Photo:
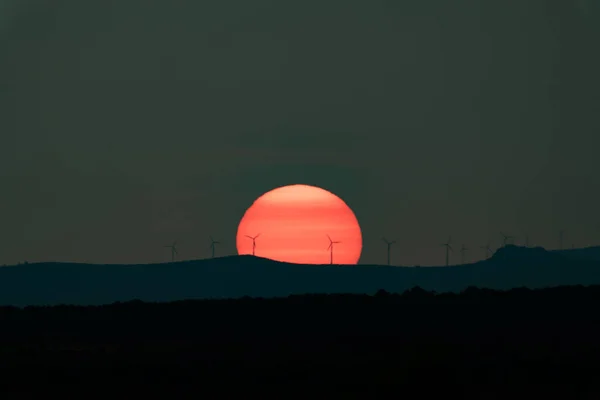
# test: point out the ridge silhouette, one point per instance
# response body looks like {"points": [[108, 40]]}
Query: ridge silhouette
{"points": [[238, 276]]}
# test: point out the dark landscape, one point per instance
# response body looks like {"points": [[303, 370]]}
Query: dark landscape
{"points": [[478, 343], [237, 276]]}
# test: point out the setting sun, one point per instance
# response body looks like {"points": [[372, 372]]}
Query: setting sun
{"points": [[294, 223]]}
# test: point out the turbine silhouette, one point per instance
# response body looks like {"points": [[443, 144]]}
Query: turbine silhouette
{"points": [[561, 236], [463, 251], [174, 252], [448, 250], [330, 248], [389, 245], [213, 242], [253, 242], [506, 238], [487, 251]]}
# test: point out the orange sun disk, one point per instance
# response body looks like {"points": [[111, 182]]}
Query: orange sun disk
{"points": [[294, 221]]}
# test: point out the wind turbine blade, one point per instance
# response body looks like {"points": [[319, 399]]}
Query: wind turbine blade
{"points": [[329, 238], [249, 237], [329, 246]]}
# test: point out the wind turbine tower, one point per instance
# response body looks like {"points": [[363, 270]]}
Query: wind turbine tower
{"points": [[253, 243], [330, 248], [561, 236], [463, 251], [174, 252], [389, 245], [506, 238], [213, 242], [448, 250]]}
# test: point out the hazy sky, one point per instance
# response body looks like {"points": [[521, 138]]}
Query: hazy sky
{"points": [[127, 124]]}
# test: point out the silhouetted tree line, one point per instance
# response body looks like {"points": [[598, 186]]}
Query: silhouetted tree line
{"points": [[477, 344]]}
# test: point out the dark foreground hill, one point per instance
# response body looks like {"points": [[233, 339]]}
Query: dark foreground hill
{"points": [[480, 344], [232, 277]]}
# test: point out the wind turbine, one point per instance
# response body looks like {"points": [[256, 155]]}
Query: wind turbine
{"points": [[253, 242], [330, 248], [463, 250], [448, 250], [561, 236], [506, 238], [174, 252], [487, 250], [213, 242], [389, 245]]}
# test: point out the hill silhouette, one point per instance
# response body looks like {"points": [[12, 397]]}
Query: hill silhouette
{"points": [[585, 253], [238, 276]]}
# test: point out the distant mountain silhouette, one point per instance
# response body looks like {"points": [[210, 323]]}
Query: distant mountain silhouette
{"points": [[238, 276], [586, 253]]}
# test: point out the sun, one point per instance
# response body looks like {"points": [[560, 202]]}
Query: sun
{"points": [[295, 223]]}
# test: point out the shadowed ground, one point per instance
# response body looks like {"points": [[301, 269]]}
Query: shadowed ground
{"points": [[477, 344]]}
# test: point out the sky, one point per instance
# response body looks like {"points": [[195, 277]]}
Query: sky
{"points": [[128, 124]]}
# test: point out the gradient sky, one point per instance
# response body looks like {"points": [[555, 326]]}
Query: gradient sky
{"points": [[127, 124]]}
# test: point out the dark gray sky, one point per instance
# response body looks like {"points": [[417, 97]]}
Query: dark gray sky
{"points": [[127, 124]]}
